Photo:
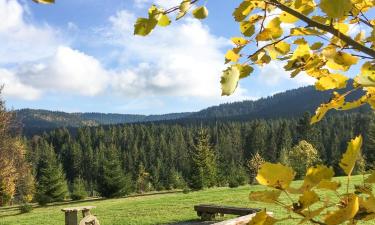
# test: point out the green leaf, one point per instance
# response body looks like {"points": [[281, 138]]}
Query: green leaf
{"points": [[229, 80], [200, 12]]}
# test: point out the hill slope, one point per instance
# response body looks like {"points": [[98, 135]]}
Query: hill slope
{"points": [[286, 104]]}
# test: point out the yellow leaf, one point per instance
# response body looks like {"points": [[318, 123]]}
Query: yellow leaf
{"points": [[345, 60], [44, 1], [336, 102], [229, 80], [310, 214], [315, 175], [184, 7], [332, 81], [164, 21], [366, 77], [368, 204], [371, 178], [144, 26], [200, 12], [307, 199], [303, 50], [355, 104], [329, 185], [239, 41], [272, 31], [336, 8], [282, 47], [245, 70], [262, 218], [301, 31], [265, 196], [247, 28], [351, 155], [316, 45], [287, 18], [275, 175], [232, 55], [243, 10], [345, 213]]}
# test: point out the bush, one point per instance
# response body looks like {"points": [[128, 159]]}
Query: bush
{"points": [[26, 208], [186, 190], [233, 182]]}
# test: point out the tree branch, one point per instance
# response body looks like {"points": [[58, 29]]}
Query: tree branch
{"points": [[326, 28], [177, 7]]}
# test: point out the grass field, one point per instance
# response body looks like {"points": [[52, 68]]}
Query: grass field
{"points": [[155, 209]]}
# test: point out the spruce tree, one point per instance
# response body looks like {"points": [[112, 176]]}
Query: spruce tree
{"points": [[78, 189], [51, 183], [204, 168], [112, 181]]}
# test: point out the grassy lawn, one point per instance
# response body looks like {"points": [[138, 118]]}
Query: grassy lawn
{"points": [[156, 209]]}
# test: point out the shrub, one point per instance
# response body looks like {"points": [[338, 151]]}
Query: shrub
{"points": [[25, 208]]}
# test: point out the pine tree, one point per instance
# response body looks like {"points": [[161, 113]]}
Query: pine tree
{"points": [[112, 181], [204, 168], [51, 183]]}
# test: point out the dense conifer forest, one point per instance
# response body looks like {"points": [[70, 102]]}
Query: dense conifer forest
{"points": [[157, 156]]}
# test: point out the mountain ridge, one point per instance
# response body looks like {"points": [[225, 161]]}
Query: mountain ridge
{"points": [[290, 103]]}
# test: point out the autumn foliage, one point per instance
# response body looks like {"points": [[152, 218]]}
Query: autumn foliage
{"points": [[14, 170]]}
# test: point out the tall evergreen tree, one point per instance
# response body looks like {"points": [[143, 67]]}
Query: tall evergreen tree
{"points": [[112, 181], [204, 167], [51, 183]]}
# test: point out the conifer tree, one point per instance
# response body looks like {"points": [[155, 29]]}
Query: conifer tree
{"points": [[78, 189], [112, 181], [204, 167], [51, 183]]}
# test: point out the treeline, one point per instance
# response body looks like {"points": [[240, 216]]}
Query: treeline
{"points": [[115, 160]]}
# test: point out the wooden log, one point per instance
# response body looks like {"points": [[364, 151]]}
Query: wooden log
{"points": [[243, 220]]}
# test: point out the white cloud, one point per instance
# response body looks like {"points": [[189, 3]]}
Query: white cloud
{"points": [[183, 60], [13, 87], [20, 40], [274, 75], [67, 71]]}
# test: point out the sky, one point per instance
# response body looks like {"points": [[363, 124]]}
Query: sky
{"points": [[82, 56]]}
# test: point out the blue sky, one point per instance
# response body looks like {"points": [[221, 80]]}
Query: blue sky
{"points": [[81, 56]]}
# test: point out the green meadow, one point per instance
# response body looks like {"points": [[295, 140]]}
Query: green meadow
{"points": [[170, 208]]}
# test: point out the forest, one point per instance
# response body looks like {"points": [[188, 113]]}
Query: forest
{"points": [[150, 156]]}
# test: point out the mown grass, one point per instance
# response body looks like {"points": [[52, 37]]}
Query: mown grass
{"points": [[155, 209]]}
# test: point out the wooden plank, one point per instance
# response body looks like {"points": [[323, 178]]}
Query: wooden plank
{"points": [[224, 210], [243, 220]]}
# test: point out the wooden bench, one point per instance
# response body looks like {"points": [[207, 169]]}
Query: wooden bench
{"points": [[71, 216], [208, 212]]}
